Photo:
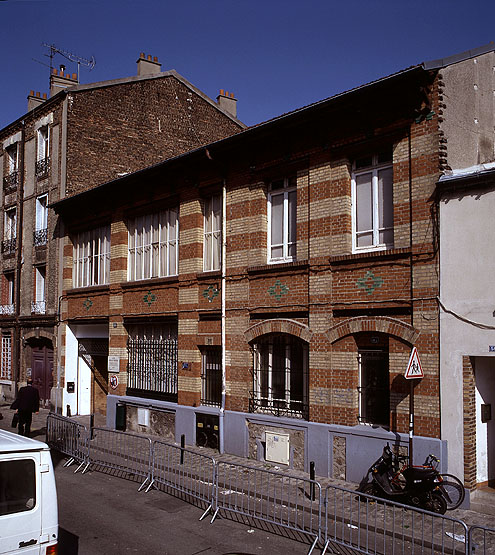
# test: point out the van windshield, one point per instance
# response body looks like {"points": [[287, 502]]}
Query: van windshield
{"points": [[17, 486]]}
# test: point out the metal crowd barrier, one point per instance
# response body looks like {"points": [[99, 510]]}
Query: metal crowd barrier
{"points": [[121, 451], [272, 497], [69, 437], [481, 540], [370, 525], [185, 471]]}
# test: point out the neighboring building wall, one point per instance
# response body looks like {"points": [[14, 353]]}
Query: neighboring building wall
{"points": [[467, 265], [468, 111]]}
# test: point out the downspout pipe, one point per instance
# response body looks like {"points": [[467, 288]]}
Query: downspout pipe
{"points": [[224, 263]]}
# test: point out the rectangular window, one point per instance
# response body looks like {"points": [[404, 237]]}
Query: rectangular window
{"points": [[42, 146], [12, 158], [38, 306], [8, 294], [6, 361], [212, 244], [211, 377], [41, 229], [372, 203], [10, 224], [18, 493], [153, 245], [92, 257], [152, 361], [374, 388], [282, 214], [281, 376]]}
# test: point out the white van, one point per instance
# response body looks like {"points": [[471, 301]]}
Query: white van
{"points": [[28, 497]]}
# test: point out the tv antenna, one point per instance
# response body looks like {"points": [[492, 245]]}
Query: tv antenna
{"points": [[69, 56]]}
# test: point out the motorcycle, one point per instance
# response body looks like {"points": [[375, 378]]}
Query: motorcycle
{"points": [[416, 486]]}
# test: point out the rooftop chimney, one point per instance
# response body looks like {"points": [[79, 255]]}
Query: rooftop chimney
{"points": [[147, 65], [227, 102], [35, 99], [60, 80]]}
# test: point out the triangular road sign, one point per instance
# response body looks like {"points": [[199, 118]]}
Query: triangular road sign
{"points": [[414, 369]]}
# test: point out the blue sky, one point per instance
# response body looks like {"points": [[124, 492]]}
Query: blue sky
{"points": [[274, 55]]}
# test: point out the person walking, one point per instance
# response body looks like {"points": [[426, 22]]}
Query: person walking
{"points": [[27, 402]]}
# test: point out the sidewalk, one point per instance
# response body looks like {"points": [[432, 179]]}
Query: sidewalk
{"points": [[38, 431]]}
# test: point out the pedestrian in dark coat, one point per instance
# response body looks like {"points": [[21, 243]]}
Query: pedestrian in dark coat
{"points": [[27, 402]]}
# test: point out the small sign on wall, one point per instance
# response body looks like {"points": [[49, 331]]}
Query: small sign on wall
{"points": [[114, 364]]}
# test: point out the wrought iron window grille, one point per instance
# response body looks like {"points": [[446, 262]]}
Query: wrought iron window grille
{"points": [[152, 366], [8, 246], [211, 377], [42, 168], [38, 307], [40, 237], [10, 182], [7, 309]]}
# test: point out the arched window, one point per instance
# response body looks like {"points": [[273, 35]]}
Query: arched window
{"points": [[280, 380]]}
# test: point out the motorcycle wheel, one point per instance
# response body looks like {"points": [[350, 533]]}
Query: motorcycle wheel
{"points": [[436, 503], [453, 490], [370, 489]]}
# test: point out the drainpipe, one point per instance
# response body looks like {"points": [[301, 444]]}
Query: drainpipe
{"points": [[224, 263], [16, 343]]}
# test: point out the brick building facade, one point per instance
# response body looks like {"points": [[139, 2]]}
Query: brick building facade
{"points": [[269, 287], [77, 139]]}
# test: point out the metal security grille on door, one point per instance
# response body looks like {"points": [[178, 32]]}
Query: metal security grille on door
{"points": [[153, 366]]}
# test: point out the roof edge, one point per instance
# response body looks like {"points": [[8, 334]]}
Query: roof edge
{"points": [[461, 57]]}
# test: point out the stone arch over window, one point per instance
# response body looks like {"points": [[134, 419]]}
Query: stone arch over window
{"points": [[377, 324], [279, 325]]}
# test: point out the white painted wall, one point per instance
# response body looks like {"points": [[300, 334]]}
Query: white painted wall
{"points": [[467, 270], [77, 370]]}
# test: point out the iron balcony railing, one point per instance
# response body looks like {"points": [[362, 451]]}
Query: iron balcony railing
{"points": [[42, 168], [6, 309], [10, 182], [152, 367], [291, 409], [40, 237], [38, 307], [8, 246]]}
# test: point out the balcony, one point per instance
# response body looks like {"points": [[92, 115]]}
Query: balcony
{"points": [[6, 309], [38, 307], [8, 246], [42, 168], [10, 182], [40, 237]]}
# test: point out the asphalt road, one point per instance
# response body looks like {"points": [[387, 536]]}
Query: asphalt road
{"points": [[103, 514]]}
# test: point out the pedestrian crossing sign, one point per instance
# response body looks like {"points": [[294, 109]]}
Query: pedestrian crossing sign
{"points": [[414, 369]]}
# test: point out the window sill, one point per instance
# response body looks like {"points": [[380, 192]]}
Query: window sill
{"points": [[209, 274], [386, 254], [89, 289], [147, 283], [277, 267]]}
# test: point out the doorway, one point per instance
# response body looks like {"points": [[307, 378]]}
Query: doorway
{"points": [[374, 388], [485, 420], [42, 369]]}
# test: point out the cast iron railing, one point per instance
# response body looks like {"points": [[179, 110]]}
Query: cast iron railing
{"points": [[40, 237], [10, 182], [8, 246], [42, 168]]}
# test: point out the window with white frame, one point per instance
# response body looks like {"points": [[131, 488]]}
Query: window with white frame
{"points": [[39, 305], [6, 361], [41, 224], [212, 243], [10, 224], [12, 158], [7, 306], [43, 143], [92, 257], [372, 203], [282, 213], [280, 376], [153, 245]]}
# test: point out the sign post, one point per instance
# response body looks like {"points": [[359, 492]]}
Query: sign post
{"points": [[414, 371]]}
